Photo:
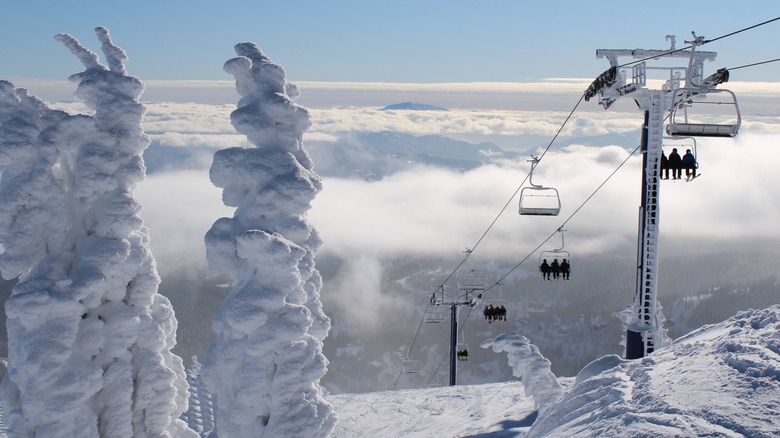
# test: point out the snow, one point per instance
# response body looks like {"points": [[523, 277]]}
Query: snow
{"points": [[266, 363], [529, 364], [470, 410], [89, 338], [720, 380]]}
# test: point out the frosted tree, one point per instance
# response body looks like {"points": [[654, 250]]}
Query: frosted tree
{"points": [[199, 416], [265, 365], [529, 364], [90, 338]]}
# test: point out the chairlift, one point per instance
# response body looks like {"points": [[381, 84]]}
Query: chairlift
{"points": [[435, 314], [683, 145], [472, 280], [491, 308], [688, 116], [559, 254], [538, 200], [411, 366], [462, 350]]}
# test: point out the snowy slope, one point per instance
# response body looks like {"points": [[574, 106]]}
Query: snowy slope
{"points": [[436, 412], [721, 380]]}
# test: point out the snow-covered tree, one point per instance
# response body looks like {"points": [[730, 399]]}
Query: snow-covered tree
{"points": [[265, 365], [90, 338], [528, 363], [200, 415]]}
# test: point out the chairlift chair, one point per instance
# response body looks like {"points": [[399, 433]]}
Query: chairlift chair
{"points": [[411, 366], [687, 118], [462, 352], [554, 254], [538, 200], [558, 253], [472, 280], [435, 314], [682, 144], [496, 302]]}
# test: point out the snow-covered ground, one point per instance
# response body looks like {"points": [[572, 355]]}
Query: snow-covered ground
{"points": [[469, 410], [722, 380]]}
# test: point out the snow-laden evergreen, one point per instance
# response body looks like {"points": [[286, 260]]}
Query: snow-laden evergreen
{"points": [[265, 366], [90, 338], [200, 413], [529, 364]]}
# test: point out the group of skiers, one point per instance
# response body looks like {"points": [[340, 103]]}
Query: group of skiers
{"points": [[495, 313], [555, 270], [675, 163], [462, 355]]}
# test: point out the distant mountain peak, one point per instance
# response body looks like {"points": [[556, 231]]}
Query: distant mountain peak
{"points": [[413, 106]]}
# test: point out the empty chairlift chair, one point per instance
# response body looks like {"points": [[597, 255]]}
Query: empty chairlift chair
{"points": [[411, 366], [704, 113], [538, 200], [472, 280], [435, 314]]}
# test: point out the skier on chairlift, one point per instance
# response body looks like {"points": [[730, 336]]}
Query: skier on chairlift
{"points": [[565, 269], [689, 163], [545, 268], [675, 163], [664, 166]]}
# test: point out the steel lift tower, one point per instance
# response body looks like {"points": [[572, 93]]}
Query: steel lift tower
{"points": [[471, 284], [683, 87]]}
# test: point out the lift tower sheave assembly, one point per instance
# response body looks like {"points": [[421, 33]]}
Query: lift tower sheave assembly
{"points": [[682, 87]]}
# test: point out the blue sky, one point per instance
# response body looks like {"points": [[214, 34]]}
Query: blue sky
{"points": [[373, 41]]}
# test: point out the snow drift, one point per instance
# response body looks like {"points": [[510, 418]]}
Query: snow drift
{"points": [[720, 380]]}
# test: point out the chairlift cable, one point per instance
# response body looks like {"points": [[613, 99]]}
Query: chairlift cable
{"points": [[409, 351], [503, 209], [753, 64], [498, 282], [741, 30], [564, 222], [468, 253], [705, 42]]}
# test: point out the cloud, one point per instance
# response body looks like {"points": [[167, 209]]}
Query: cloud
{"points": [[359, 293], [439, 212], [470, 122], [216, 141], [178, 208], [188, 118]]}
